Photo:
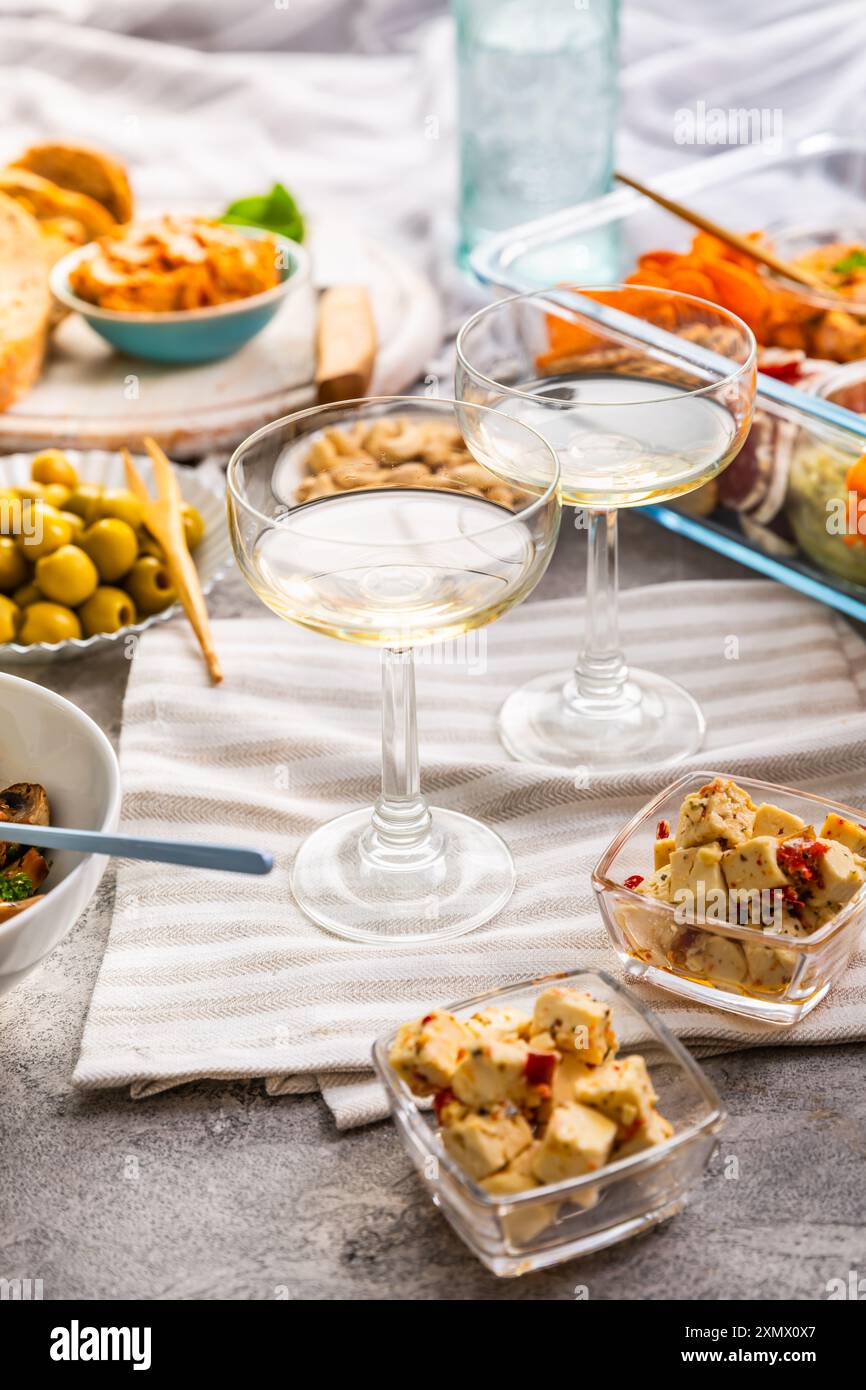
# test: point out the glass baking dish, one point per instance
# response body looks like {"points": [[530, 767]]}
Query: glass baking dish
{"points": [[532, 1230], [744, 970], [601, 240]]}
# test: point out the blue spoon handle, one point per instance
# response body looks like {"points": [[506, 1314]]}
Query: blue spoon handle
{"points": [[195, 856]]}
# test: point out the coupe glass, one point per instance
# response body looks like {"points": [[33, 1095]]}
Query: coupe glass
{"points": [[353, 553], [632, 423]]}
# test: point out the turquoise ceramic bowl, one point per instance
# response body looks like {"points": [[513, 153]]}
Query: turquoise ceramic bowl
{"points": [[186, 335]]}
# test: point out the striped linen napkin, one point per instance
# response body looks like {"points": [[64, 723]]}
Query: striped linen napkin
{"points": [[210, 975]]}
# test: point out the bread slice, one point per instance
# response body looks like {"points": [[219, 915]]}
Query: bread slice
{"points": [[45, 199], [82, 170], [24, 301]]}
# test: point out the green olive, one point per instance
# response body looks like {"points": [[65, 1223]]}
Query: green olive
{"points": [[108, 610], [9, 619], [76, 522], [84, 501], [13, 566], [193, 524], [31, 492], [48, 622], [56, 495], [43, 530], [111, 545], [119, 503], [52, 466], [67, 576], [149, 583], [27, 594]]}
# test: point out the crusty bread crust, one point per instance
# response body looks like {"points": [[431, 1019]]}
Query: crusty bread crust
{"points": [[81, 169], [24, 301], [45, 199]]}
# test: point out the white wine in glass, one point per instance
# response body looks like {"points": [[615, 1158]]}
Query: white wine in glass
{"points": [[632, 421], [398, 567], [379, 562]]}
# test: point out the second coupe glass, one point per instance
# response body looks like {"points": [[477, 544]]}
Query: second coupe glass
{"points": [[631, 423]]}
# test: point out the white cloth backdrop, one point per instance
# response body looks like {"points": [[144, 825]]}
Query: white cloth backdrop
{"points": [[215, 97]]}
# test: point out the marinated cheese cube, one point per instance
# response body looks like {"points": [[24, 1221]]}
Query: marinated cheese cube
{"points": [[712, 956], [652, 1129], [577, 1140], [809, 919], [505, 1021], [662, 851], [492, 1070], [527, 1221], [484, 1143], [517, 1176], [754, 865], [772, 820], [838, 875], [650, 939], [847, 832], [719, 811], [621, 1089], [569, 1071], [768, 968], [658, 884], [697, 870], [426, 1053], [448, 1109], [576, 1022]]}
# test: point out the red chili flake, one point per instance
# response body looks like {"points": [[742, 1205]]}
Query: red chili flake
{"points": [[663, 830], [783, 371], [791, 900], [800, 860], [539, 1068], [428, 1018], [440, 1100], [633, 880]]}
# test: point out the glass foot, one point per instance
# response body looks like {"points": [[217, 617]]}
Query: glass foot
{"points": [[655, 724], [461, 879]]}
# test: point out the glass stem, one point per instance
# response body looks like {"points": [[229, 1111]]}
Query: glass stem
{"points": [[600, 672], [401, 820]]}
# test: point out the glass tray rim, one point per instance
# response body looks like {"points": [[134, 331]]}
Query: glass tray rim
{"points": [[492, 263], [492, 259]]}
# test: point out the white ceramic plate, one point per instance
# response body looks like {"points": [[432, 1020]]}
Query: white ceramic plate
{"points": [[212, 557]]}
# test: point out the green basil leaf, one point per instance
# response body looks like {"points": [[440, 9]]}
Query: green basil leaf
{"points": [[276, 211]]}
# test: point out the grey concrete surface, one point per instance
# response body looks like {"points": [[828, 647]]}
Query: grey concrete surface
{"points": [[217, 1191]]}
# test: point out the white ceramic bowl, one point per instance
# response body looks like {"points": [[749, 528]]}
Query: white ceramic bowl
{"points": [[213, 556], [49, 740]]}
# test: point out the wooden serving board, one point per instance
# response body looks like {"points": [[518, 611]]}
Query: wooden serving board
{"points": [[90, 396]]}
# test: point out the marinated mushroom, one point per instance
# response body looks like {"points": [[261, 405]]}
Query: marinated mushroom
{"points": [[25, 802], [24, 869]]}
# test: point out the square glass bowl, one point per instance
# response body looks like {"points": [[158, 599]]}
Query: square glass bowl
{"points": [[544, 1226], [745, 970]]}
